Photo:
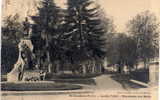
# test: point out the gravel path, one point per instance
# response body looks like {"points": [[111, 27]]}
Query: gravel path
{"points": [[105, 82]]}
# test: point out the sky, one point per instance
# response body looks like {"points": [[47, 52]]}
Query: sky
{"points": [[123, 10]]}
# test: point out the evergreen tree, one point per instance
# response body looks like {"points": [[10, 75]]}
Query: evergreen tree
{"points": [[84, 31], [46, 31]]}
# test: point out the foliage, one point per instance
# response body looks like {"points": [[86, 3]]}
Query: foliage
{"points": [[12, 32], [46, 31], [12, 29], [143, 28], [9, 56], [122, 50], [84, 31]]}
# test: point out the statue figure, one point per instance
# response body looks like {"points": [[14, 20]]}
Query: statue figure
{"points": [[25, 47], [27, 27]]}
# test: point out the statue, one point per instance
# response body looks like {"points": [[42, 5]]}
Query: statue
{"points": [[25, 49], [27, 27]]}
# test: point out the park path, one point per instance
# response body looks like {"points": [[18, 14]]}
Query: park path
{"points": [[113, 82], [105, 82]]}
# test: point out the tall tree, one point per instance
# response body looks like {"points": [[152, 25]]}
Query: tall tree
{"points": [[46, 30], [12, 29], [12, 32], [144, 29], [84, 31]]}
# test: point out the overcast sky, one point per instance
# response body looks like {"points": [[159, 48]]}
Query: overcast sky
{"points": [[123, 10]]}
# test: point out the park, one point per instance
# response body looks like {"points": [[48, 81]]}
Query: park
{"points": [[78, 49]]}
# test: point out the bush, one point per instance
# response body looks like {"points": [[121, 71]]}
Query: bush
{"points": [[9, 54]]}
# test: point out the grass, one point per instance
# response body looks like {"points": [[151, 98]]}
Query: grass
{"points": [[75, 81], [37, 86], [72, 76], [140, 75], [124, 80]]}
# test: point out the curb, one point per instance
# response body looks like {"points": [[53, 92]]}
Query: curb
{"points": [[140, 83], [6, 93]]}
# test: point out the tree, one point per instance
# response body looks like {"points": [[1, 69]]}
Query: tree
{"points": [[12, 32], [108, 23], [144, 29], [46, 31], [84, 31], [122, 51], [12, 29]]}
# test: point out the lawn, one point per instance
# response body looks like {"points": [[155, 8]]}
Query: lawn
{"points": [[72, 76], [37, 86], [140, 75]]}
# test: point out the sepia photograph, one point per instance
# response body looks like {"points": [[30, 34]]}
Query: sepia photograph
{"points": [[80, 49]]}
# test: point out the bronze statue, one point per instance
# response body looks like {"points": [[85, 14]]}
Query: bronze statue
{"points": [[27, 27]]}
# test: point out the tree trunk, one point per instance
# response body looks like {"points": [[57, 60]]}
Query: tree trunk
{"points": [[105, 62], [49, 63], [56, 67], [38, 66], [145, 64], [100, 68], [136, 66], [129, 69], [50, 68], [119, 69], [93, 67], [48, 55], [84, 69]]}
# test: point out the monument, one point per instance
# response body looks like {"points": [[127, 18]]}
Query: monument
{"points": [[25, 51], [27, 27], [25, 54]]}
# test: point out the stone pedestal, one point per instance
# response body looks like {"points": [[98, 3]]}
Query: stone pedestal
{"points": [[25, 46]]}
